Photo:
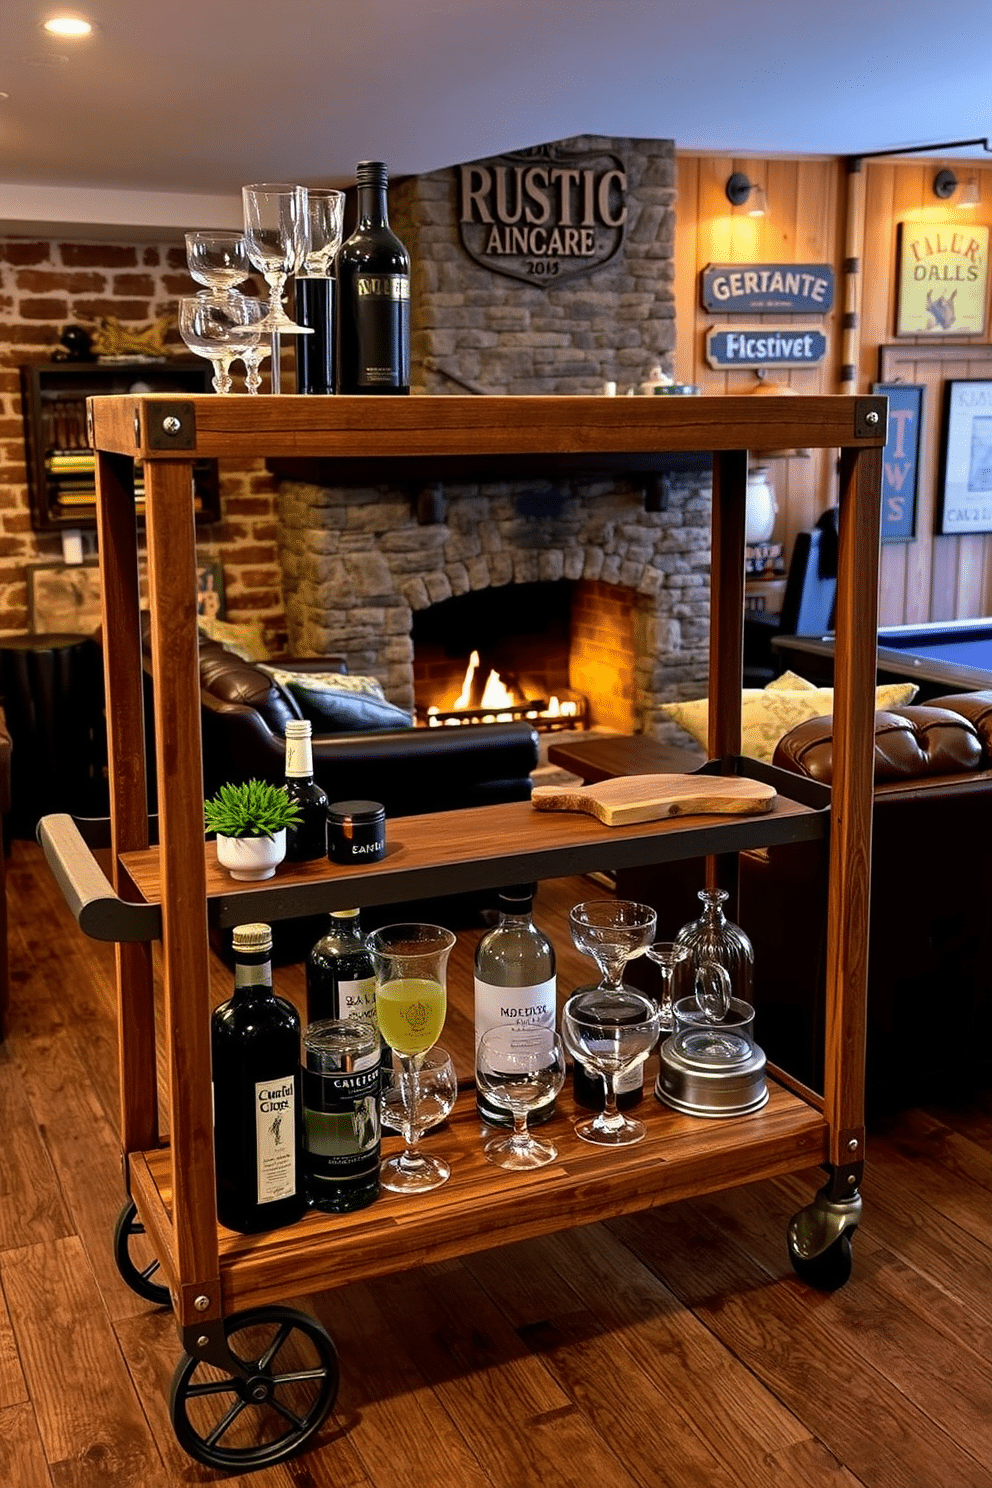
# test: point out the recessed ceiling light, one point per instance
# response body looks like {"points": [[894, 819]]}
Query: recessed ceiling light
{"points": [[67, 25]]}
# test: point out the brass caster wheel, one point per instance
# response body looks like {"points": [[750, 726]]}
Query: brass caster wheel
{"points": [[820, 1240], [243, 1422], [139, 1275]]}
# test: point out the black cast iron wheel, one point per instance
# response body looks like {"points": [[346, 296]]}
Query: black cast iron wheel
{"points": [[243, 1423], [138, 1276]]}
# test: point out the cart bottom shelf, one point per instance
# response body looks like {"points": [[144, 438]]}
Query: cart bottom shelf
{"points": [[482, 1206]]}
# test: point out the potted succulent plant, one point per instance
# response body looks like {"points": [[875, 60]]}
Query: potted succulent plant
{"points": [[250, 820]]}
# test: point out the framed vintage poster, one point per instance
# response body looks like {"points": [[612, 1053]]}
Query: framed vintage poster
{"points": [[210, 591], [943, 279], [966, 458], [901, 459]]}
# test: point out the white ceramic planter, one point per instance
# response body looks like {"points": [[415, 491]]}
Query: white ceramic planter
{"points": [[250, 858]]}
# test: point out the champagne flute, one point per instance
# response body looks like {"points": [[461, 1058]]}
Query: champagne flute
{"points": [[519, 1069], [410, 963], [611, 1033], [671, 959]]}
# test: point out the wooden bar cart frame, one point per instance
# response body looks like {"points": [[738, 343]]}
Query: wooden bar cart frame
{"points": [[163, 892]]}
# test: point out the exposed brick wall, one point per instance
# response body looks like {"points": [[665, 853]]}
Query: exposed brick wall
{"points": [[603, 619], [46, 285]]}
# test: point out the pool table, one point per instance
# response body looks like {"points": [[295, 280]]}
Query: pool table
{"points": [[942, 656]]}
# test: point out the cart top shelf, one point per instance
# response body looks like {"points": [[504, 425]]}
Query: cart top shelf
{"points": [[162, 426]]}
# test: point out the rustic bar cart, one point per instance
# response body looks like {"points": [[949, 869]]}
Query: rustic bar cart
{"points": [[223, 1286]]}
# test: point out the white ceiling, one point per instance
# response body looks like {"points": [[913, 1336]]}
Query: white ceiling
{"points": [[189, 99]]}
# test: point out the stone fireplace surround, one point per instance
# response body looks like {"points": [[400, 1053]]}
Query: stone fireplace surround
{"points": [[356, 562]]}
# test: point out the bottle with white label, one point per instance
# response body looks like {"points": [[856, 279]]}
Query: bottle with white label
{"points": [[515, 982], [340, 976], [258, 1114], [307, 840]]}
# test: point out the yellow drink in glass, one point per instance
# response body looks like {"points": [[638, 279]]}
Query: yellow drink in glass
{"points": [[411, 1013]]}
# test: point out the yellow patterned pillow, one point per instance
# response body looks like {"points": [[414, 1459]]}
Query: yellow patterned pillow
{"points": [[769, 714], [790, 681]]}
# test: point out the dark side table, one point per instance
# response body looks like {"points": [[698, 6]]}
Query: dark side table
{"points": [[51, 688], [597, 757]]}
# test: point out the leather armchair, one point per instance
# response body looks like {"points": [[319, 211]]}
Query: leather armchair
{"points": [[930, 927], [411, 771]]}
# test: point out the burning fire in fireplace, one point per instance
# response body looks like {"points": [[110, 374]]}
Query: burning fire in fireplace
{"points": [[499, 704]]}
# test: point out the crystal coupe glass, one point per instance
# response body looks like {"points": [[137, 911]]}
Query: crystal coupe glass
{"points": [[216, 327], [610, 1032]]}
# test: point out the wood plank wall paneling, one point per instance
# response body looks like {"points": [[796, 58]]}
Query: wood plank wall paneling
{"points": [[932, 577]]}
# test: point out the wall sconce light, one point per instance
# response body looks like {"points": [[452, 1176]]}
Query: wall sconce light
{"points": [[945, 183], [740, 189]]}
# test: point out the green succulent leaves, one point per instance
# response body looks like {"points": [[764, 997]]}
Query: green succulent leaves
{"points": [[254, 809]]}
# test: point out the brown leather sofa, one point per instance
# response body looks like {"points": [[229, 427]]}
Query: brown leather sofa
{"points": [[930, 938]]}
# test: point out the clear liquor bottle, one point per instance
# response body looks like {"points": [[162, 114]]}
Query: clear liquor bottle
{"points": [[258, 1118], [515, 982], [308, 840]]}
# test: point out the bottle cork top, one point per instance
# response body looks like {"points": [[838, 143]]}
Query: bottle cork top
{"points": [[255, 937]]}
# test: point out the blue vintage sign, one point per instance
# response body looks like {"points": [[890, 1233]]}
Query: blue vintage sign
{"points": [[747, 289], [900, 460], [765, 347]]}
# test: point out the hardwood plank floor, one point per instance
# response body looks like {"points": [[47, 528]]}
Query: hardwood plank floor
{"points": [[672, 1348]]}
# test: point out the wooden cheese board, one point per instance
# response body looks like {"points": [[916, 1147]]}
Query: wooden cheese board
{"points": [[627, 799]]}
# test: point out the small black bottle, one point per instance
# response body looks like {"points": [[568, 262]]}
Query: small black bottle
{"points": [[258, 1113], [340, 975], [373, 277], [309, 839]]}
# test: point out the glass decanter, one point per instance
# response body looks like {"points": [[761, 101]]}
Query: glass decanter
{"points": [[715, 938]]}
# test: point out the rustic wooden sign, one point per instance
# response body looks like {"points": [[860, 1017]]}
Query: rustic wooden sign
{"points": [[748, 289], [540, 215], [943, 279], [765, 347]]}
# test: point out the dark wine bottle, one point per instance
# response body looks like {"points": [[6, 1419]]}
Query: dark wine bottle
{"points": [[258, 1113], [340, 976], [314, 307], [373, 277], [308, 840]]}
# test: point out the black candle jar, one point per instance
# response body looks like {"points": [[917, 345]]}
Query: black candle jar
{"points": [[356, 831]]}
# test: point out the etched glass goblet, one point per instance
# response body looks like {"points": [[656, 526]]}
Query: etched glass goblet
{"points": [[611, 1033], [278, 240]]}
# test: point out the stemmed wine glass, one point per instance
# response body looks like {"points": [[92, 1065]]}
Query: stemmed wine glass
{"points": [[612, 1032], [670, 958], [518, 1069], [433, 1101], [278, 239], [410, 963], [219, 328], [218, 259]]}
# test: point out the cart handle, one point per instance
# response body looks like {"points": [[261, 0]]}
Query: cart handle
{"points": [[98, 911]]}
